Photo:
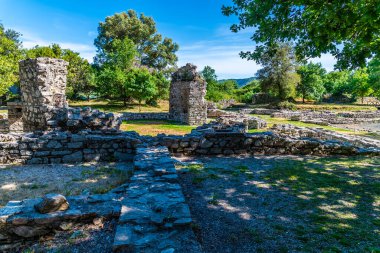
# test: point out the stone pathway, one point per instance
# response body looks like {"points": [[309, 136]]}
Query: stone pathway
{"points": [[154, 216]]}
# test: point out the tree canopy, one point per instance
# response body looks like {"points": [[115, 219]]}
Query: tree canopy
{"points": [[348, 29], [154, 51], [10, 54], [278, 75], [311, 82]]}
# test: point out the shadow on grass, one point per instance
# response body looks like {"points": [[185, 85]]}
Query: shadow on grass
{"points": [[287, 205]]}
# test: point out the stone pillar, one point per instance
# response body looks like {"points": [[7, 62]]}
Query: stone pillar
{"points": [[16, 123], [43, 87], [187, 96]]}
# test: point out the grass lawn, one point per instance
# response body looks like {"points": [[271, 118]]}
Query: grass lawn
{"points": [[343, 199], [118, 107], [286, 203], [155, 127]]}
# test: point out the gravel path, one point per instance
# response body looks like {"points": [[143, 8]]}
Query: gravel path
{"points": [[32, 181]]}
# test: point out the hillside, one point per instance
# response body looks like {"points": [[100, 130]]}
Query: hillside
{"points": [[240, 82]]}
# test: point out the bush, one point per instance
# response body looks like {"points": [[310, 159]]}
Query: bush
{"points": [[284, 105]]}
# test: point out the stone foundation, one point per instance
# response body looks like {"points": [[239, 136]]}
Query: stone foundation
{"points": [[187, 96], [65, 147], [16, 124]]}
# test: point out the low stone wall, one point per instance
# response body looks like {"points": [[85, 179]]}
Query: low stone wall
{"points": [[66, 147], [154, 215], [4, 125], [228, 143], [145, 116]]}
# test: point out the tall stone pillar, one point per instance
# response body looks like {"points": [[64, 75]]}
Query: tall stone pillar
{"points": [[187, 96], [43, 87]]}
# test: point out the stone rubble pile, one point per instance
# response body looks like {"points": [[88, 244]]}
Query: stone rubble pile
{"points": [[154, 215], [249, 122], [21, 220], [77, 119]]}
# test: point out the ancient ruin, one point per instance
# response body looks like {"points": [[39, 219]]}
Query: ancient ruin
{"points": [[43, 88], [150, 210], [187, 96]]}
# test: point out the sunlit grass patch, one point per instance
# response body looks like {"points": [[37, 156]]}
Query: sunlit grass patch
{"points": [[118, 106], [341, 195]]}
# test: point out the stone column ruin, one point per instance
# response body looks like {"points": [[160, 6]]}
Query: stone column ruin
{"points": [[187, 96], [43, 87]]}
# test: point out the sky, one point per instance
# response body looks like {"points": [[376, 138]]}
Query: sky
{"points": [[198, 26]]}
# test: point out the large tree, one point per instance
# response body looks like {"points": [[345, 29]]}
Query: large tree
{"points": [[360, 84], [311, 84], [141, 85], [348, 29], [119, 60], [278, 75], [374, 75], [10, 54], [154, 50]]}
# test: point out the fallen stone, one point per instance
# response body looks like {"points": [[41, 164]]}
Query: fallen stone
{"points": [[52, 203]]}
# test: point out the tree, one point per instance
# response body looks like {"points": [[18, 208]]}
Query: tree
{"points": [[360, 83], [374, 75], [337, 82], [209, 74], [141, 84], [153, 51], [311, 84], [348, 29], [10, 55], [113, 73], [278, 76]]}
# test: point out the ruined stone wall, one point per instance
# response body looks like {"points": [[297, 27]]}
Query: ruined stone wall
{"points": [[43, 85], [187, 96], [65, 147], [145, 115], [15, 119]]}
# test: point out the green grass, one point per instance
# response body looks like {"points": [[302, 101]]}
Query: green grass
{"points": [[341, 198], [118, 106], [155, 127]]}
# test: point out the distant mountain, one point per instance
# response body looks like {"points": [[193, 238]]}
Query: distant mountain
{"points": [[240, 82]]}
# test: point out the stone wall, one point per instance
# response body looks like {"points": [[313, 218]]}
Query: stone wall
{"points": [[286, 130], [43, 86], [4, 125], [15, 119], [145, 115], [187, 96], [221, 141], [65, 147]]}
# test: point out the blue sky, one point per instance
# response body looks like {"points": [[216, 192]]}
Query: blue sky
{"points": [[197, 26]]}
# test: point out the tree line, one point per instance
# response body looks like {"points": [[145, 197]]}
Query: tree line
{"points": [[133, 61], [286, 79]]}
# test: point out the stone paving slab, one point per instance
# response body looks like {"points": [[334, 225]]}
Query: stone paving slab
{"points": [[154, 215]]}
